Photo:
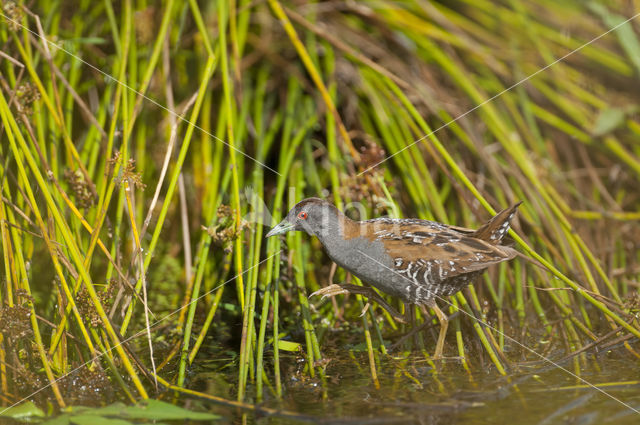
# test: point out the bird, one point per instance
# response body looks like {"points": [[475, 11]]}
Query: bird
{"points": [[415, 260]]}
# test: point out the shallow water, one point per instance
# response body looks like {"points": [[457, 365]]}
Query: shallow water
{"points": [[412, 392]]}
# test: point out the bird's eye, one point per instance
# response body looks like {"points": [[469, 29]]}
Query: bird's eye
{"points": [[302, 215]]}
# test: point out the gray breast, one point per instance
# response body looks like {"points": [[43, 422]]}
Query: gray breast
{"points": [[370, 262]]}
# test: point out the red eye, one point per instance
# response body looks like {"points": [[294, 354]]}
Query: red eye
{"points": [[302, 215]]}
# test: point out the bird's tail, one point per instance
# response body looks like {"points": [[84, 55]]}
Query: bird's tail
{"points": [[494, 230]]}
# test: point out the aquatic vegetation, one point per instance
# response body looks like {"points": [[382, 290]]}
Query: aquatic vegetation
{"points": [[148, 147]]}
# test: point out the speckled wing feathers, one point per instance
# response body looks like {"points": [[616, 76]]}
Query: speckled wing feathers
{"points": [[455, 252], [440, 260]]}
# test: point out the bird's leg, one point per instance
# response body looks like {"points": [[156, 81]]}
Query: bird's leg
{"points": [[336, 310], [346, 288], [444, 324]]}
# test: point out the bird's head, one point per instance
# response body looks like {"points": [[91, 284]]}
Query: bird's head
{"points": [[312, 215]]}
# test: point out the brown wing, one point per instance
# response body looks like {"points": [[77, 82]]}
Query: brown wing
{"points": [[493, 230], [436, 252]]}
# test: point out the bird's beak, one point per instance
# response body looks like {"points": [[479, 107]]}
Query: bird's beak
{"points": [[283, 227]]}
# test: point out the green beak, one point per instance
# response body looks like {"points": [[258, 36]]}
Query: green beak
{"points": [[283, 227]]}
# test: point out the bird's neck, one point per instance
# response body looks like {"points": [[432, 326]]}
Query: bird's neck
{"points": [[337, 230]]}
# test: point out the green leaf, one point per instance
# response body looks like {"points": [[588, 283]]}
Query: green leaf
{"points": [[23, 411], [156, 409], [97, 420], [608, 120], [626, 35], [115, 409], [60, 420], [88, 40], [289, 346], [121, 414], [152, 409]]}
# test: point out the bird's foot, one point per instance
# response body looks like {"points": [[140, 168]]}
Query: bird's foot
{"points": [[330, 291], [372, 295]]}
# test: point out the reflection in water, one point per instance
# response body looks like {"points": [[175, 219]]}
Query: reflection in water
{"points": [[412, 392]]}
